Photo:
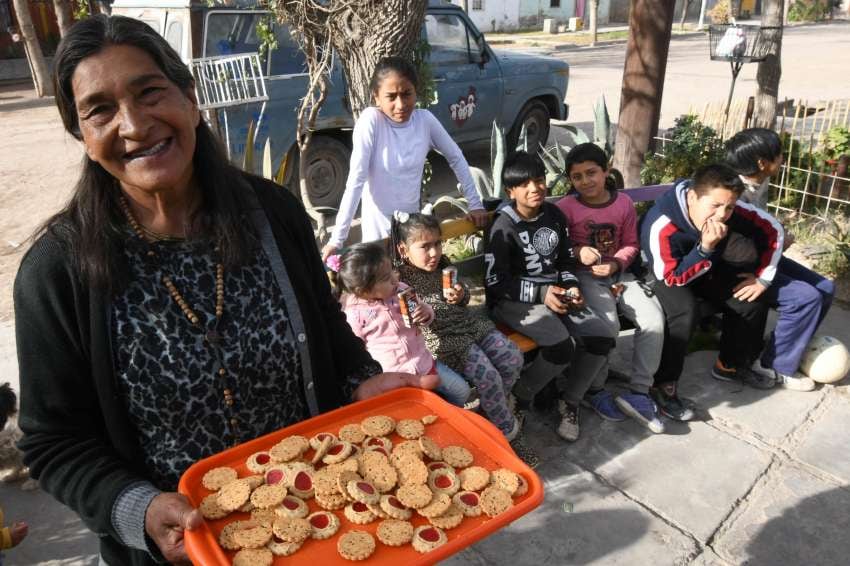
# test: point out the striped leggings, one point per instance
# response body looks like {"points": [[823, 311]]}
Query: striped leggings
{"points": [[493, 365]]}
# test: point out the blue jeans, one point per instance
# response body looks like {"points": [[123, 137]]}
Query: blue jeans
{"points": [[453, 387]]}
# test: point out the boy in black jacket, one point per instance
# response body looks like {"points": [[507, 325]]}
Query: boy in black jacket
{"points": [[531, 288]]}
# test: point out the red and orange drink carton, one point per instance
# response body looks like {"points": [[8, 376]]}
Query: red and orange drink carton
{"points": [[449, 279], [407, 303]]}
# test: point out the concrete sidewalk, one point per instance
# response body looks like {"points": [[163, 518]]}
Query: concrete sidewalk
{"points": [[764, 479]]}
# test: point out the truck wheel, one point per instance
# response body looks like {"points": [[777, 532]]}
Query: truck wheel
{"points": [[535, 116], [327, 161]]}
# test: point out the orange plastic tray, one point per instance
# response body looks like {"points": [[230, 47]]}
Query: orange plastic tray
{"points": [[454, 426]]}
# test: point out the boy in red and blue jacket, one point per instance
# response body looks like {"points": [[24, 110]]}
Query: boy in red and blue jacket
{"points": [[702, 243]]}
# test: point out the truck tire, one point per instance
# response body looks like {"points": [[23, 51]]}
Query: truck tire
{"points": [[535, 116], [327, 162]]}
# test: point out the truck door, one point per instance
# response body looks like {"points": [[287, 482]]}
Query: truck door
{"points": [[469, 89]]}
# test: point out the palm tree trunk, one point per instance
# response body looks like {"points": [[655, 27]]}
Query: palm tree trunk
{"points": [[35, 57]]}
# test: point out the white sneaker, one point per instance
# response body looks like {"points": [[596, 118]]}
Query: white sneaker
{"points": [[568, 428], [796, 382]]}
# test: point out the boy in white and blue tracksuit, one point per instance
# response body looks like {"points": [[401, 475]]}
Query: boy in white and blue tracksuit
{"points": [[703, 243]]}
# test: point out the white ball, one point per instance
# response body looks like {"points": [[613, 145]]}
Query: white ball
{"points": [[826, 359]]}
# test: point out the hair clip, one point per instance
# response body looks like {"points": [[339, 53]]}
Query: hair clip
{"points": [[333, 262], [401, 216]]}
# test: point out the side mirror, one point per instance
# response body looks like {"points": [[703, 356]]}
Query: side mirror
{"points": [[483, 54]]}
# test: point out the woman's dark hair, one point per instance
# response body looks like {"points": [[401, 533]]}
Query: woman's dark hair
{"points": [[8, 404], [590, 152], [92, 224], [360, 266], [521, 168], [744, 149], [404, 231], [716, 176], [389, 65]]}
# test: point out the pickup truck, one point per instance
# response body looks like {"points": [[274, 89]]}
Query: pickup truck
{"points": [[475, 84]]}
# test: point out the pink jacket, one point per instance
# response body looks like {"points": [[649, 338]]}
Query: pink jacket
{"points": [[380, 325]]}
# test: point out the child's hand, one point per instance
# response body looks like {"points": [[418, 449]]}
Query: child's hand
{"points": [[18, 532], [554, 299], [575, 299], [606, 269], [712, 232], [423, 314], [589, 255], [455, 294], [748, 290]]}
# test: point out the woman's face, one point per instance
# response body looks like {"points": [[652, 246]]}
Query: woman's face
{"points": [[396, 97], [137, 124]]}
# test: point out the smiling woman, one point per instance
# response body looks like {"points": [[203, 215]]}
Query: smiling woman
{"points": [[176, 306]]}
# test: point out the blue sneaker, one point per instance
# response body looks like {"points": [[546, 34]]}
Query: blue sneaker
{"points": [[603, 403], [642, 409]]}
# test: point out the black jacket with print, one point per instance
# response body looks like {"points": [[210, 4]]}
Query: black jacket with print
{"points": [[524, 257]]}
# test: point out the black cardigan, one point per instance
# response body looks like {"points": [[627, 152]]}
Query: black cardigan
{"points": [[78, 440]]}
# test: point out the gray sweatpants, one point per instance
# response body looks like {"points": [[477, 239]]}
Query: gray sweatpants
{"points": [[644, 312], [552, 333]]}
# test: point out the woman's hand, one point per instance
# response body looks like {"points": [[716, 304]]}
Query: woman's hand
{"points": [[455, 294], [384, 382], [167, 517], [479, 217], [588, 255], [18, 532], [328, 251]]}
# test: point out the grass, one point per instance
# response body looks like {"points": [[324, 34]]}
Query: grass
{"points": [[832, 235]]}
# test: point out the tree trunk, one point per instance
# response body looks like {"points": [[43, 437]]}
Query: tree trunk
{"points": [[701, 23], [594, 12], [35, 57], [650, 26], [685, 5], [63, 15], [769, 70]]}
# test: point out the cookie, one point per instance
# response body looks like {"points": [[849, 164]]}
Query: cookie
{"points": [[395, 508], [317, 440], [331, 502], [259, 462], [248, 507], [302, 485], [225, 537], [384, 477], [217, 478], [291, 529], [439, 504], [410, 429], [407, 448], [379, 425], [324, 524], [437, 466], [255, 480], [411, 470], [323, 447], [356, 545], [283, 548], [495, 501], [429, 419], [452, 517], [444, 481], [292, 506], [358, 513], [475, 478], [210, 508], [338, 452], [289, 448], [371, 459], [363, 491], [376, 510], [275, 475], [505, 479], [325, 481], [379, 449], [253, 557], [457, 456], [428, 537], [378, 442], [264, 517], [268, 496], [414, 495], [393, 532], [430, 448], [342, 481], [469, 502], [253, 537], [234, 495], [352, 433], [522, 489]]}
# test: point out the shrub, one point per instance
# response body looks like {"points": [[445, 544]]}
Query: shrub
{"points": [[692, 144]]}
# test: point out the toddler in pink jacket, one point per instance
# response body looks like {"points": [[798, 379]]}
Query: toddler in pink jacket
{"points": [[370, 301]]}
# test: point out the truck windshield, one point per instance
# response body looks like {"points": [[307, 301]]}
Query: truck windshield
{"points": [[233, 33]]}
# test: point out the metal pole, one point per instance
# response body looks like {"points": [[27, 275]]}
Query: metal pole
{"points": [[736, 68]]}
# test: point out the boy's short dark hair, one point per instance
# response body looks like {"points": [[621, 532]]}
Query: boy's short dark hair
{"points": [[521, 168], [8, 403], [744, 149], [716, 176], [586, 152]]}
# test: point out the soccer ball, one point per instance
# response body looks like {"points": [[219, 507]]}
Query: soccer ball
{"points": [[826, 359]]}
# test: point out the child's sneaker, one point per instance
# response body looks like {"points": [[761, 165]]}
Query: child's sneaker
{"points": [[670, 404], [603, 403], [568, 428], [743, 375], [796, 382], [641, 408], [525, 452]]}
